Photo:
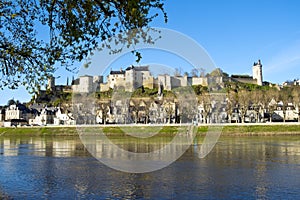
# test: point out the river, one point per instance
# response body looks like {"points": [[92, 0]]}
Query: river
{"points": [[237, 168]]}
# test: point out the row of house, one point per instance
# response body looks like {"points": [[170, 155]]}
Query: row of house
{"points": [[291, 83], [163, 111], [19, 115], [145, 110]]}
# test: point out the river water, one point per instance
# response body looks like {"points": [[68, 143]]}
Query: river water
{"points": [[237, 168]]}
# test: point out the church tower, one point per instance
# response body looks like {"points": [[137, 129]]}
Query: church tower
{"points": [[257, 72]]}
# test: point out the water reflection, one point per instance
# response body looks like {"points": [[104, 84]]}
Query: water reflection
{"points": [[41, 146], [237, 168]]}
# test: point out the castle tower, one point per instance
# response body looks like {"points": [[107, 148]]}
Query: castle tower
{"points": [[257, 72], [51, 83]]}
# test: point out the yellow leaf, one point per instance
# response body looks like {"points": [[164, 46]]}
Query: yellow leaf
{"points": [[13, 15]]}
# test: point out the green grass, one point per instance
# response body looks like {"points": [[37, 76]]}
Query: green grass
{"points": [[39, 131], [261, 130], [232, 130]]}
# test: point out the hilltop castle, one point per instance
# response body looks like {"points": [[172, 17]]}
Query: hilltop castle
{"points": [[134, 77], [257, 72], [256, 77]]}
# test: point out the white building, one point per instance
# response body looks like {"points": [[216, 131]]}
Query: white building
{"points": [[257, 72], [129, 79], [165, 81], [116, 79], [64, 118], [136, 77], [170, 82], [18, 111], [46, 116], [285, 112], [87, 84], [200, 81]]}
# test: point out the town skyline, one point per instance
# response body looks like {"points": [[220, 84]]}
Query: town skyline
{"points": [[68, 80]]}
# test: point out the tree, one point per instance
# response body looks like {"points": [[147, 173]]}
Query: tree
{"points": [[296, 100], [194, 72], [286, 97], [202, 72], [147, 109], [199, 89], [243, 101], [186, 105], [11, 102], [256, 97], [177, 72], [134, 108], [71, 31], [217, 72], [205, 101], [169, 110], [231, 102], [270, 100], [104, 108]]}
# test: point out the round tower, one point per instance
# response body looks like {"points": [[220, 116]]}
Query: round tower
{"points": [[257, 72]]}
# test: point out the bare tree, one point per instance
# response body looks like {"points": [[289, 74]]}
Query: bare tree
{"points": [[256, 97], [103, 112], [231, 102], [243, 102], [169, 109], [202, 72], [194, 72], [296, 100], [205, 101], [270, 99], [134, 107]]}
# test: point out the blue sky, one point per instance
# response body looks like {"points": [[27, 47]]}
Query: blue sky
{"points": [[235, 33]]}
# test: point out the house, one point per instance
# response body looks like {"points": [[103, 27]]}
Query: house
{"points": [[285, 112], [156, 112], [17, 111], [44, 117], [120, 111], [169, 111], [63, 118]]}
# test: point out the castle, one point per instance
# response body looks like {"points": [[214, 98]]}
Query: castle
{"points": [[256, 77], [137, 76], [134, 77], [257, 73]]}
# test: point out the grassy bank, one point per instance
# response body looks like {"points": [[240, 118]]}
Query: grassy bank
{"points": [[228, 130], [39, 131], [268, 129]]}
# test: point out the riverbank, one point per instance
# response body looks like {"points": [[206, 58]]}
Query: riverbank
{"points": [[114, 130]]}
